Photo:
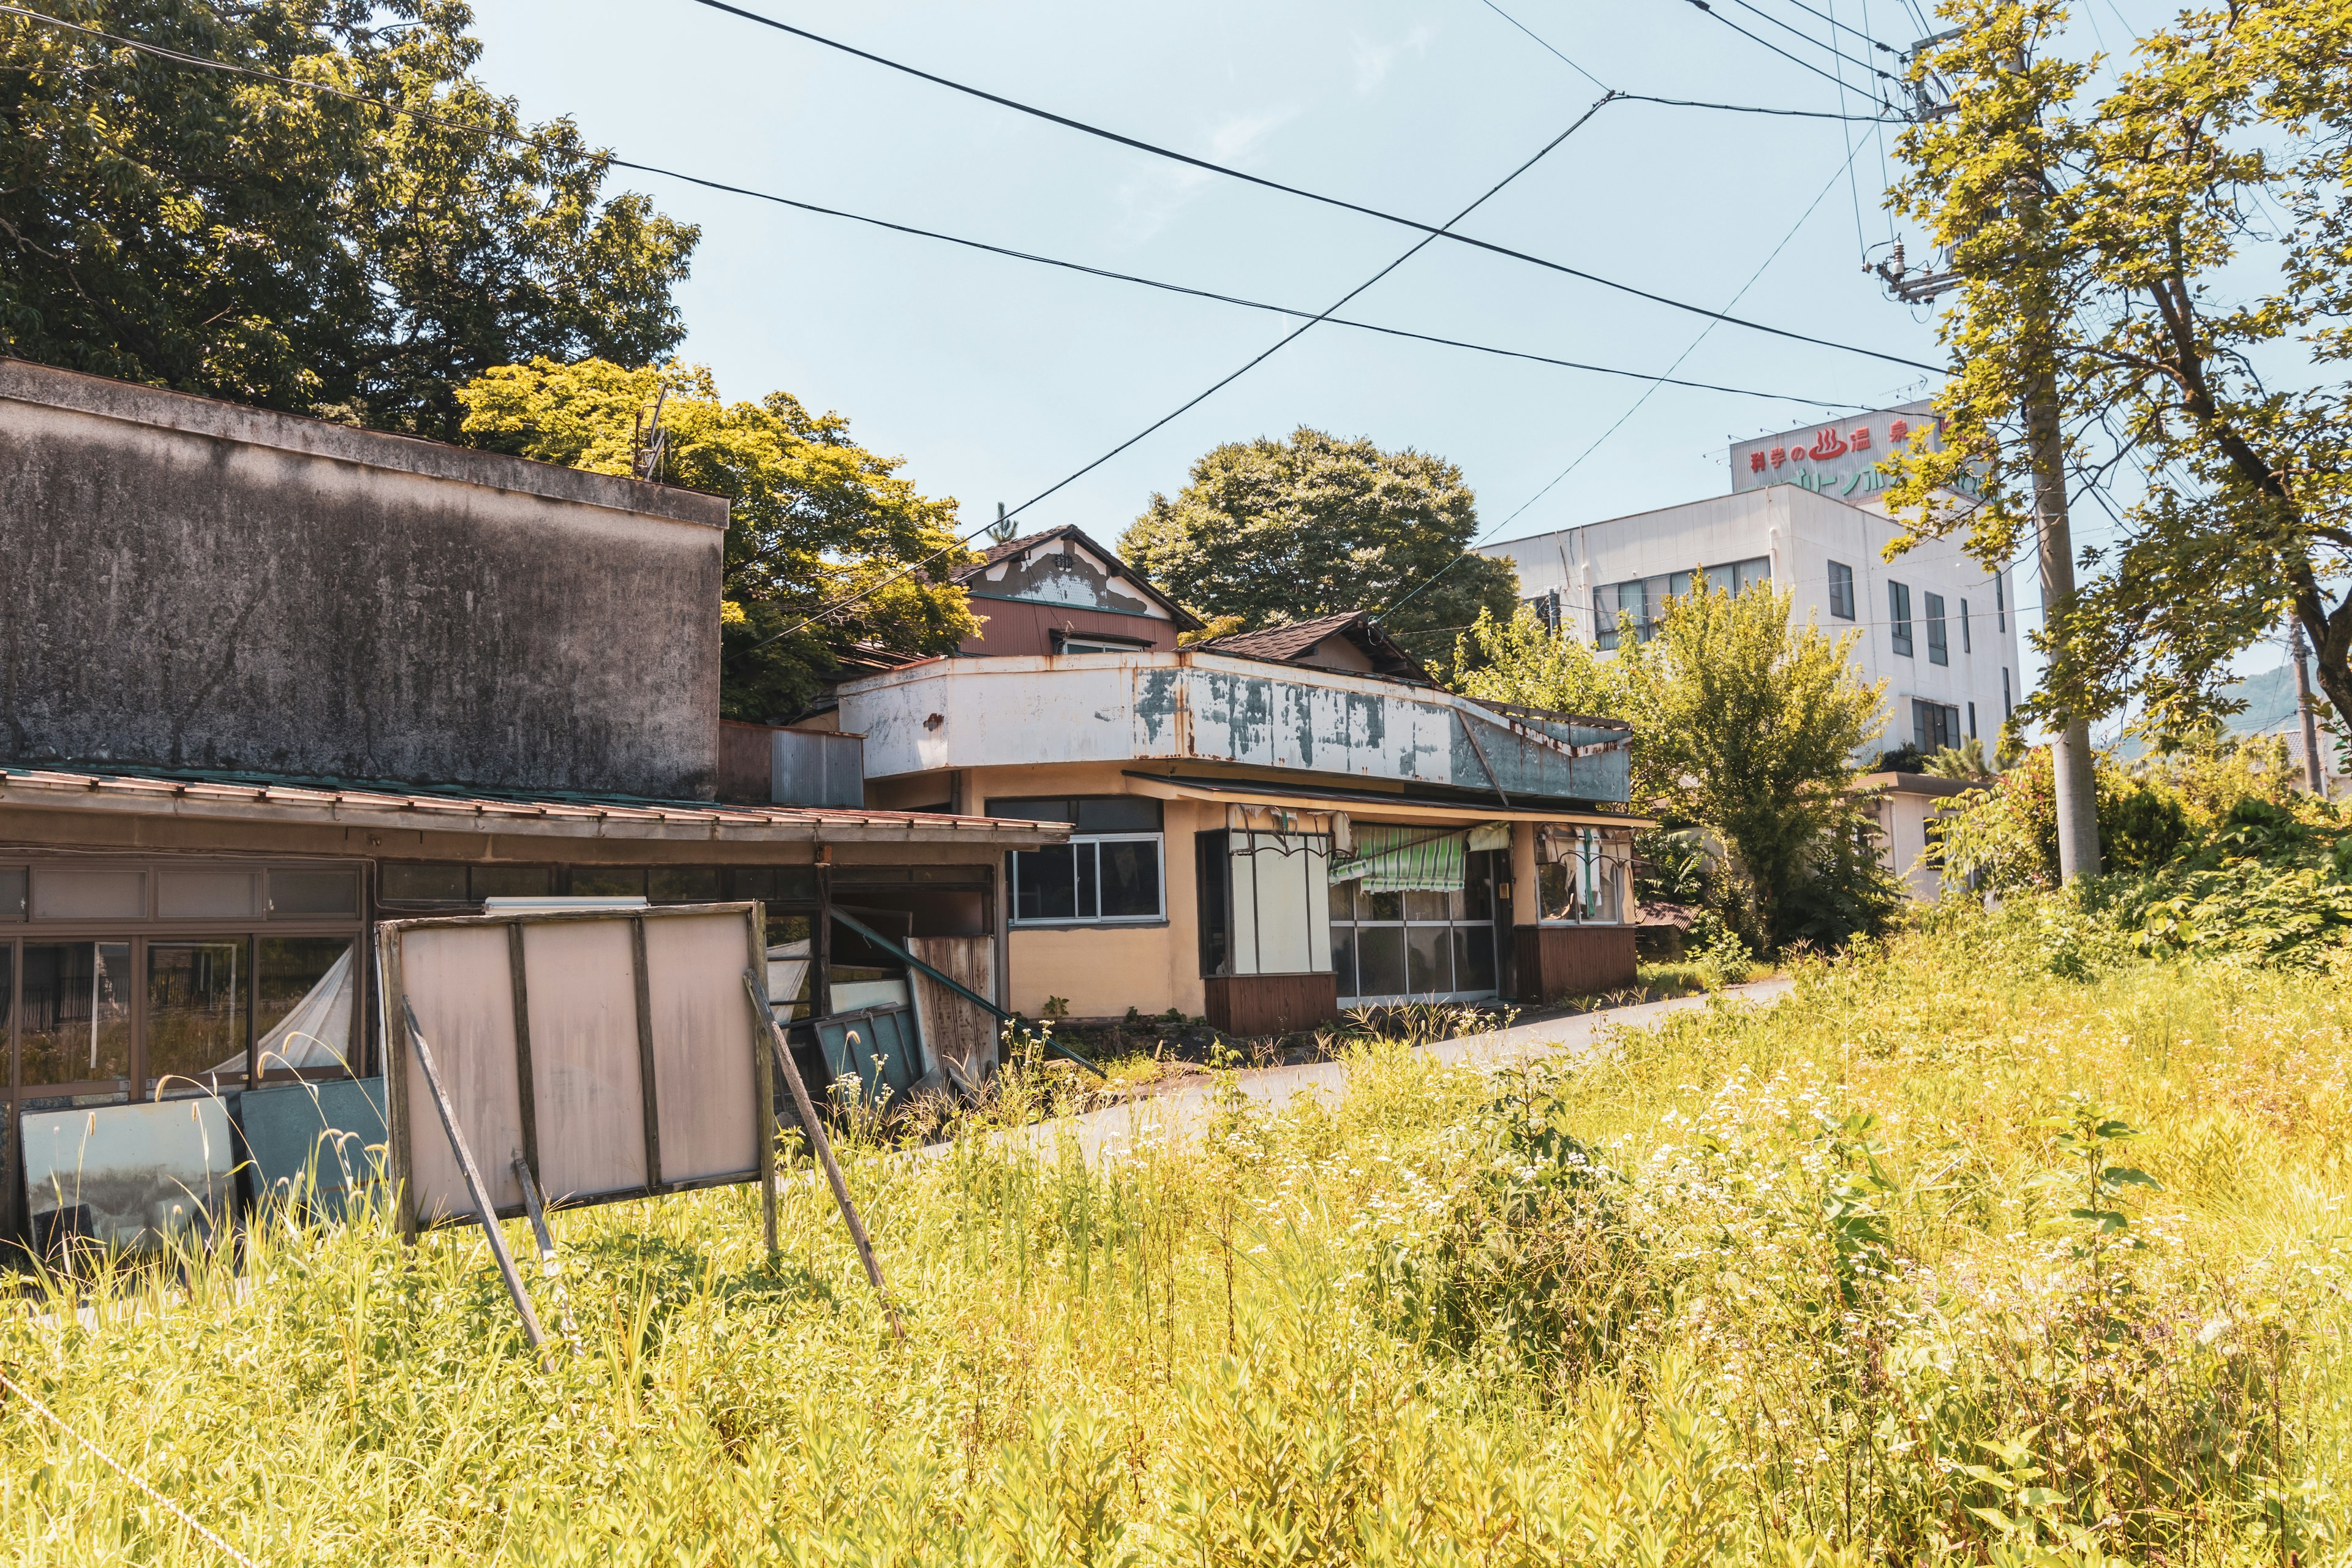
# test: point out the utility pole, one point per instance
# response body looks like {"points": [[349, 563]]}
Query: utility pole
{"points": [[2307, 706], [2075, 769]]}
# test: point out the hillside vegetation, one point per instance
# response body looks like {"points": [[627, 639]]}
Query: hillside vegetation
{"points": [[2005, 1243]]}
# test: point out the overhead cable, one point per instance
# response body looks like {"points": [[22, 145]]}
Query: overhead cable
{"points": [[1577, 461], [919, 233], [1433, 231], [1219, 385], [1862, 32], [1796, 32], [1546, 43], [1762, 43]]}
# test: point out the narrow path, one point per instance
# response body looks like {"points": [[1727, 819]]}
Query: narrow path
{"points": [[1181, 1113]]}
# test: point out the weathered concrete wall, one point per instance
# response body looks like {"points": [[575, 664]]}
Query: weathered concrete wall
{"points": [[194, 584]]}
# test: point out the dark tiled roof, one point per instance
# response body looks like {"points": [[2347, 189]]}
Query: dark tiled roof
{"points": [[1285, 643], [1183, 618]]}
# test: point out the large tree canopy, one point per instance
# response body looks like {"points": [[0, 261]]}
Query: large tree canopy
{"points": [[226, 234], [1273, 532], [814, 519], [2171, 262]]}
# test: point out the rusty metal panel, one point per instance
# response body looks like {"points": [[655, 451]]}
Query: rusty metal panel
{"points": [[817, 767]]}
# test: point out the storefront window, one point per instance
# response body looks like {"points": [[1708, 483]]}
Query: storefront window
{"points": [[195, 1015], [1583, 875], [1419, 943], [77, 1023]]}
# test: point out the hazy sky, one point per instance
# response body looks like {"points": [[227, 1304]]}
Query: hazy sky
{"points": [[996, 378]]}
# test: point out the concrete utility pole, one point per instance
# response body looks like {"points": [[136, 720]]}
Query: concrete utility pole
{"points": [[2306, 706]]}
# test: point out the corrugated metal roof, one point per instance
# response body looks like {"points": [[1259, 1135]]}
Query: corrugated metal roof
{"points": [[254, 796]]}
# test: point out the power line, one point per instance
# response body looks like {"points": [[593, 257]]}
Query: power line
{"points": [[1831, 47], [1190, 404], [1629, 413], [1858, 32], [1092, 272], [1763, 43], [1756, 109], [1546, 43], [1433, 231], [969, 244]]}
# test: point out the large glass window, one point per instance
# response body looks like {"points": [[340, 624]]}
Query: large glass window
{"points": [[1110, 871], [77, 1023], [1934, 725], [1899, 616], [1584, 875], [1841, 590], [1398, 946], [1645, 599], [195, 1015], [1940, 647]]}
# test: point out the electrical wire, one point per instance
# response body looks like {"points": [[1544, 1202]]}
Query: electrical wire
{"points": [[1762, 43], [1853, 183], [969, 244], [1862, 32], [1547, 44], [1092, 272], [1757, 108], [1579, 460], [1194, 402], [1433, 231], [1796, 32]]}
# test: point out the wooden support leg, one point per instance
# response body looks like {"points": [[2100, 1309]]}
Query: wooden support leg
{"points": [[474, 1182], [822, 1145]]}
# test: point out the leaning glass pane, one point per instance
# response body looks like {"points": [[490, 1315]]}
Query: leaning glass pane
{"points": [[195, 1015], [1045, 883], [309, 987], [1557, 889], [77, 1025], [1131, 878]]}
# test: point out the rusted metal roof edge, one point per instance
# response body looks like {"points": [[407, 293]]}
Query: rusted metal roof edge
{"points": [[1245, 791], [138, 795]]}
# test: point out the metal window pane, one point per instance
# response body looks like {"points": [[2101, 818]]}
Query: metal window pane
{"points": [[195, 1015], [320, 893], [1429, 960], [1967, 644], [1089, 883], [612, 882], [1131, 878], [1380, 906], [1119, 814], [1029, 809], [211, 894], [1380, 959], [77, 1023], [309, 988], [73, 893], [1343, 959], [511, 882], [1421, 905], [1045, 883], [14, 887], [419, 882], [1343, 901], [1841, 590], [684, 885], [1474, 958]]}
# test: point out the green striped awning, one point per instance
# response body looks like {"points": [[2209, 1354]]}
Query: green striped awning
{"points": [[1403, 861]]}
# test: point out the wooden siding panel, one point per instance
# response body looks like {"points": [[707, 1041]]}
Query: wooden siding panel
{"points": [[1271, 1004], [1555, 963]]}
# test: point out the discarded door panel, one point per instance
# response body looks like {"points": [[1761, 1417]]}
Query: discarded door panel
{"points": [[609, 1050], [314, 1143], [128, 1177]]}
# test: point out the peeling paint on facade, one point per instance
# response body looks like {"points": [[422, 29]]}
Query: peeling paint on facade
{"points": [[1200, 707]]}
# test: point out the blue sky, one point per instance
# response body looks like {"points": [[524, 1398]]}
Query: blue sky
{"points": [[996, 378]]}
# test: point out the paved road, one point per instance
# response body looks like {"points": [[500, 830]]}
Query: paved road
{"points": [[1181, 1113]]}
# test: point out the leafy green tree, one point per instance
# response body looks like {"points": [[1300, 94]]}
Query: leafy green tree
{"points": [[1743, 725], [815, 518], [2167, 269], [242, 238], [1276, 532]]}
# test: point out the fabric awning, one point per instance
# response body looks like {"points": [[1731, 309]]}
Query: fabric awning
{"points": [[1403, 859]]}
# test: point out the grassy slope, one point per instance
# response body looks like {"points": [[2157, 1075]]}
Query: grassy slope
{"points": [[1410, 1330]]}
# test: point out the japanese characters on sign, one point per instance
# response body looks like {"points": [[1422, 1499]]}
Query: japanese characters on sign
{"points": [[1840, 458]]}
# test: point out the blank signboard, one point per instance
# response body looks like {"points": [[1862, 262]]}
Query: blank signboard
{"points": [[613, 1051]]}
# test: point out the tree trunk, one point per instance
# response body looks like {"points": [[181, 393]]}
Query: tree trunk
{"points": [[2074, 774]]}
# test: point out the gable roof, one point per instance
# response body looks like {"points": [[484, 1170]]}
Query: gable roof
{"points": [[1183, 618], [1292, 643]]}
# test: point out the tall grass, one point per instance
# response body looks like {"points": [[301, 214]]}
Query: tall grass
{"points": [[1797, 1285]]}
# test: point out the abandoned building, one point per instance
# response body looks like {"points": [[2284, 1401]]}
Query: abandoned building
{"points": [[270, 681], [1265, 829]]}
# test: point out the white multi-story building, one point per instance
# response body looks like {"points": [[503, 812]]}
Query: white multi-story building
{"points": [[1806, 513]]}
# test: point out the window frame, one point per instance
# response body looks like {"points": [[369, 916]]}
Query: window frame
{"points": [[1091, 841], [1898, 618], [1939, 640], [1967, 643], [1841, 604]]}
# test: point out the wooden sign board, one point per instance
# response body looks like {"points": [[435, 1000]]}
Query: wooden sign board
{"points": [[609, 1050]]}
